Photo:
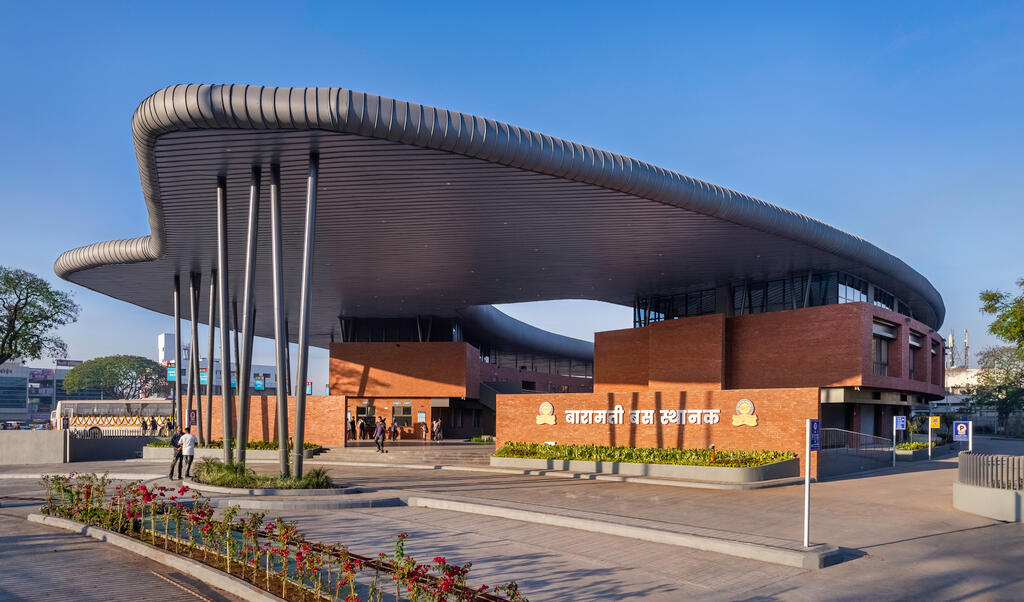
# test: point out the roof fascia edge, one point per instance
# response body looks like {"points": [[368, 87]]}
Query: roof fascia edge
{"points": [[187, 107]]}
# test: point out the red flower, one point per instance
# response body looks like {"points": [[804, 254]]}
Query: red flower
{"points": [[439, 559]]}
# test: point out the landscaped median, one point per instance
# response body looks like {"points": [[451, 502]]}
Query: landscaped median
{"points": [[726, 466], [160, 449], [912, 451], [178, 527]]}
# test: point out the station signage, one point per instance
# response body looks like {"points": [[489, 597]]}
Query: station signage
{"points": [[901, 423], [815, 431], [203, 377], [259, 383], [172, 374]]}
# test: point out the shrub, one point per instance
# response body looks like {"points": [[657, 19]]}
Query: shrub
{"points": [[645, 455], [214, 472], [912, 445], [482, 439]]}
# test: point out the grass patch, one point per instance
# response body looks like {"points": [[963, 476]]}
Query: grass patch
{"points": [[214, 472], [643, 455], [482, 439], [912, 445], [257, 445]]}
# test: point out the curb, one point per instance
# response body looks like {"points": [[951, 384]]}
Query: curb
{"points": [[267, 492], [300, 504], [208, 575], [814, 557]]}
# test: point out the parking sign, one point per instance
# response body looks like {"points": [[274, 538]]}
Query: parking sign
{"points": [[815, 435], [960, 430], [901, 423]]}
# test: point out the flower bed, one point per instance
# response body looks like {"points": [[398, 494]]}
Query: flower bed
{"points": [[271, 554], [643, 455]]}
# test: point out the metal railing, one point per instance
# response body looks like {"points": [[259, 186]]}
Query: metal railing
{"points": [[991, 470], [107, 432], [836, 439]]}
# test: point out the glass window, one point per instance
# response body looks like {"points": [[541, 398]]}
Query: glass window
{"points": [[913, 360], [880, 355], [884, 299], [402, 416]]}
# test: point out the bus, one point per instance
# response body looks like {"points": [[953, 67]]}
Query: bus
{"points": [[111, 417]]}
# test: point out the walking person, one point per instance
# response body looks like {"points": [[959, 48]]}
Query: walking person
{"points": [[379, 434], [188, 451], [394, 430], [362, 428], [176, 446], [352, 428]]}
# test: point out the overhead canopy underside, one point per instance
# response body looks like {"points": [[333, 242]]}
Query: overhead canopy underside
{"points": [[424, 212]]}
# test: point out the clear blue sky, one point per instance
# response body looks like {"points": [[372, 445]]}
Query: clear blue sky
{"points": [[898, 122]]}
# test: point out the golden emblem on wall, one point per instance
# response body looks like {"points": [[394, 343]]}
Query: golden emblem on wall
{"points": [[744, 414], [546, 413]]}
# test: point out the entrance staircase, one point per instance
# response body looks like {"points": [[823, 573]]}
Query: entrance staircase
{"points": [[441, 454]]}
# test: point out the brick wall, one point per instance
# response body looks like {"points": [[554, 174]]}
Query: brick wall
{"points": [[687, 354], [399, 369], [325, 417], [781, 419], [621, 360]]}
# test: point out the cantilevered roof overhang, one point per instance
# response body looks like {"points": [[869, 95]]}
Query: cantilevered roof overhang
{"points": [[428, 212]]}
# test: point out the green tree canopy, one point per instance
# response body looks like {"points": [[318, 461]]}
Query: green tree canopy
{"points": [[29, 310], [1000, 380], [1009, 314], [121, 376]]}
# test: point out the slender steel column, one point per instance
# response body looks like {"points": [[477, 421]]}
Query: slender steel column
{"points": [[234, 331], [244, 368], [287, 358], [177, 349], [193, 369], [207, 419], [222, 301], [280, 340], [307, 276]]}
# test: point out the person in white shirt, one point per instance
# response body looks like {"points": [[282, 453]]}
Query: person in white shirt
{"points": [[188, 451]]}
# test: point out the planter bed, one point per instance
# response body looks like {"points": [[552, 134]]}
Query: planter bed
{"points": [[749, 474], [166, 453], [906, 455], [270, 492]]}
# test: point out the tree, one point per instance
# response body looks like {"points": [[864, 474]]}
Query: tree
{"points": [[120, 376], [1009, 314], [1000, 381], [29, 310]]}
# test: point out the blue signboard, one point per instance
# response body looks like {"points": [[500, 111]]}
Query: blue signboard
{"points": [[309, 388], [202, 376], [901, 423], [234, 381], [259, 383], [960, 429], [815, 435], [172, 374]]}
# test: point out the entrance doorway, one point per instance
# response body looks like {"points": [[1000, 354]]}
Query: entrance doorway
{"points": [[365, 416]]}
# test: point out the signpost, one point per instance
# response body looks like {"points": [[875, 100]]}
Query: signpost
{"points": [[934, 422], [309, 388], [899, 423], [172, 374], [813, 444], [963, 430], [193, 417], [259, 383], [203, 378]]}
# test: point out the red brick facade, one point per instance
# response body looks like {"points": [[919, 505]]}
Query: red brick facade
{"points": [[828, 346], [781, 415], [324, 419]]}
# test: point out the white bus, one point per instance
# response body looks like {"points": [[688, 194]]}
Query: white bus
{"points": [[112, 417]]}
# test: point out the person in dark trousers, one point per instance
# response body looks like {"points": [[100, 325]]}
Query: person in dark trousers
{"points": [[379, 434], [176, 446], [352, 428], [362, 429], [188, 451], [394, 430]]}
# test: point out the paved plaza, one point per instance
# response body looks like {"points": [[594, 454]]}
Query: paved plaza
{"points": [[900, 535]]}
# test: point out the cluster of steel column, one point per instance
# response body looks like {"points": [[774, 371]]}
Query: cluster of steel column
{"points": [[219, 298]]}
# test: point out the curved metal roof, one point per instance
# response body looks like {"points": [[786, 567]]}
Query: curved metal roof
{"points": [[424, 211]]}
